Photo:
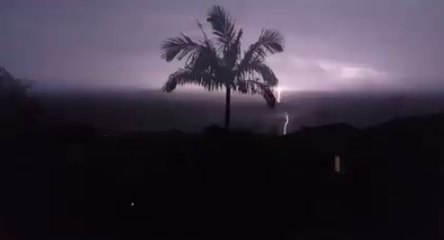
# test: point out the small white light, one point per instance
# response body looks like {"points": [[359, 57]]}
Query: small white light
{"points": [[132, 204], [278, 95], [337, 164]]}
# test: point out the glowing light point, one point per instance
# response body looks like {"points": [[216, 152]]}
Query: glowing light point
{"points": [[278, 94], [132, 204], [337, 164]]}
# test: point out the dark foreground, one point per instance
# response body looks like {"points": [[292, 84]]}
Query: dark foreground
{"points": [[76, 182]]}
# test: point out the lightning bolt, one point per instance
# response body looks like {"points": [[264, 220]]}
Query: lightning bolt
{"points": [[287, 120], [278, 94]]}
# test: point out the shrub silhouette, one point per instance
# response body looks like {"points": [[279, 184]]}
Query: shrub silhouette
{"points": [[19, 110]]}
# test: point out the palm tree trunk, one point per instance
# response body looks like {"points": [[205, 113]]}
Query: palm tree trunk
{"points": [[227, 108]]}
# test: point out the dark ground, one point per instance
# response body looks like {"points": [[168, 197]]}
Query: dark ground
{"points": [[78, 182]]}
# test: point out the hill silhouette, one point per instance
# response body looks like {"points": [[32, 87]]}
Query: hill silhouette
{"points": [[78, 181]]}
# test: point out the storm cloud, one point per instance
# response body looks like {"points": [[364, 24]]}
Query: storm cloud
{"points": [[330, 44]]}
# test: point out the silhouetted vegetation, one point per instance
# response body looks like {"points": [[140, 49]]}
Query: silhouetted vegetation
{"points": [[18, 110], [219, 63]]}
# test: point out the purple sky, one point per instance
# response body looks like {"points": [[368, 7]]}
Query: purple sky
{"points": [[330, 44]]}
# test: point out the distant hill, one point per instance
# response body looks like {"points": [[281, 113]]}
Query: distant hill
{"points": [[132, 110]]}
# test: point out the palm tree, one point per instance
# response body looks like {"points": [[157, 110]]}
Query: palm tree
{"points": [[219, 63]]}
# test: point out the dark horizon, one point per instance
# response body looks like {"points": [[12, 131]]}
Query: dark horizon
{"points": [[192, 111]]}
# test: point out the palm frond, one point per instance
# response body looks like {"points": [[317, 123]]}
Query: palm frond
{"points": [[204, 34], [205, 59], [237, 43], [254, 87], [188, 76], [232, 53], [258, 67], [207, 42], [223, 25], [269, 42], [268, 75], [178, 47]]}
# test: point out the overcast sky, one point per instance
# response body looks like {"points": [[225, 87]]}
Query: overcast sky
{"points": [[330, 44]]}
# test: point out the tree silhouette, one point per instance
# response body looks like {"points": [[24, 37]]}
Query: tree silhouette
{"points": [[218, 63], [18, 110]]}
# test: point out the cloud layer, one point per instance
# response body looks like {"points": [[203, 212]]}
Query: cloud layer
{"points": [[330, 44]]}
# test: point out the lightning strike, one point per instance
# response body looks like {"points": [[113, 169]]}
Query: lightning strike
{"points": [[287, 120]]}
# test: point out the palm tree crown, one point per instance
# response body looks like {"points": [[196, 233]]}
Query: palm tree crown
{"points": [[219, 63]]}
